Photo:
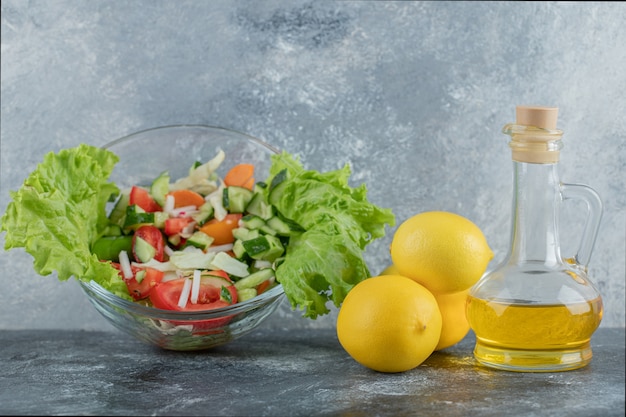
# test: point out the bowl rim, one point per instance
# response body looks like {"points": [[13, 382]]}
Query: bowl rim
{"points": [[212, 128], [266, 297]]}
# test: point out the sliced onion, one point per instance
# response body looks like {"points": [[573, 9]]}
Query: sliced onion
{"points": [[185, 211], [125, 265], [184, 294], [169, 203], [188, 230], [195, 286]]}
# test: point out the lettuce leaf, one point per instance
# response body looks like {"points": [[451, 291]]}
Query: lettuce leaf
{"points": [[59, 212], [326, 261]]}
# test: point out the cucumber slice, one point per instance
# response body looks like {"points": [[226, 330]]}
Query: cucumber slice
{"points": [[118, 213], [160, 187], [278, 179], [255, 279], [236, 199], [205, 213], [200, 240], [143, 250], [238, 249], [159, 219], [252, 222], [283, 226], [243, 233], [136, 217], [245, 294], [260, 207], [266, 247]]}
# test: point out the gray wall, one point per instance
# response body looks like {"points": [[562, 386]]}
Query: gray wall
{"points": [[412, 94]]}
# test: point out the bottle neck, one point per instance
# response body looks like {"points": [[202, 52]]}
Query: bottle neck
{"points": [[534, 234]]}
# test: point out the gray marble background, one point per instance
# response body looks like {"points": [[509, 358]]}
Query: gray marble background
{"points": [[412, 94]]}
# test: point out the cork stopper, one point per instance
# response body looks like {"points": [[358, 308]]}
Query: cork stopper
{"points": [[538, 116], [534, 136]]}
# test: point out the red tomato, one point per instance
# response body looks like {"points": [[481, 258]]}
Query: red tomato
{"points": [[165, 296], [176, 225], [142, 198], [219, 273], [222, 230], [140, 290], [154, 237]]}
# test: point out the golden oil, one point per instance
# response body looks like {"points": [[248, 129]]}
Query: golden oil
{"points": [[528, 337]]}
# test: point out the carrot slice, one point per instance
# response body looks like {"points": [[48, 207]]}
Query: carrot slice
{"points": [[183, 198], [241, 175]]}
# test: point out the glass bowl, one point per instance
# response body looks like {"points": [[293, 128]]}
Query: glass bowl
{"points": [[143, 156]]}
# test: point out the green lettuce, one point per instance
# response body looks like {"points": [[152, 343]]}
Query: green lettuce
{"points": [[59, 212], [325, 261]]}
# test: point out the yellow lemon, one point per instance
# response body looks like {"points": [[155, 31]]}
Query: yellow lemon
{"points": [[454, 321], [390, 270], [389, 323], [443, 251], [452, 307]]}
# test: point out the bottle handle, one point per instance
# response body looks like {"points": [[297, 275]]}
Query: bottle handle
{"points": [[592, 223]]}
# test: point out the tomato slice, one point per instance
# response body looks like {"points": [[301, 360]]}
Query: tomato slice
{"points": [[149, 278], [141, 290], [222, 230], [176, 225], [166, 295], [142, 198], [154, 237]]}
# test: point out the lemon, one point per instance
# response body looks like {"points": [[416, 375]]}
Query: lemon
{"points": [[452, 307], [389, 323], [443, 251], [390, 270], [454, 321]]}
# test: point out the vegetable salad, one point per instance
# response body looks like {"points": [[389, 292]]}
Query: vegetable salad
{"points": [[208, 240]]}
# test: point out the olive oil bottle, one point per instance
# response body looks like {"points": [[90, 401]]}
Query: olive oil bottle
{"points": [[536, 312]]}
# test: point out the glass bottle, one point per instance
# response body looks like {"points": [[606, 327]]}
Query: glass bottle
{"points": [[536, 312]]}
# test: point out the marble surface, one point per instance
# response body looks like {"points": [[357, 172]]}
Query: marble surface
{"points": [[412, 95], [287, 373]]}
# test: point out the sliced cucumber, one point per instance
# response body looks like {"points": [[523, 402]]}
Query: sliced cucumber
{"points": [[159, 219], [160, 187], [205, 213], [136, 217], [246, 294], [255, 279], [200, 240], [236, 199], [118, 213], [143, 250], [243, 233], [278, 179], [238, 249], [260, 207], [266, 247], [252, 222]]}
